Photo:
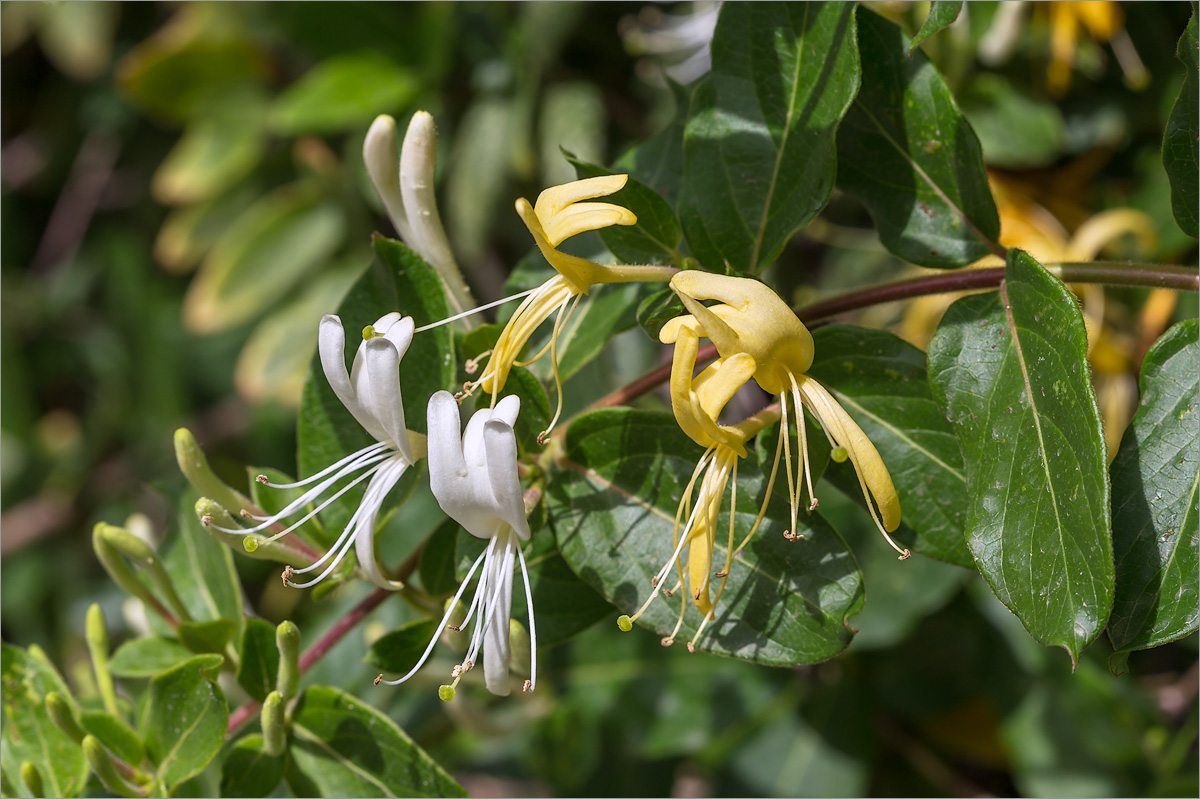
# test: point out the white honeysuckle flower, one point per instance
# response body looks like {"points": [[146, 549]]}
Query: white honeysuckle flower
{"points": [[370, 390], [474, 478], [406, 186]]}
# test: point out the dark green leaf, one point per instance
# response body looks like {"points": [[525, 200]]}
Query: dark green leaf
{"points": [[29, 734], [185, 720], [759, 153], [146, 657], [259, 667], [655, 237], [207, 636], [881, 381], [1180, 149], [115, 734], [343, 91], [1010, 369], [563, 605], [246, 770], [941, 14], [907, 152], [613, 507], [398, 651], [1154, 483], [996, 108], [535, 406], [438, 559], [658, 161], [202, 569], [658, 309], [398, 280], [344, 747]]}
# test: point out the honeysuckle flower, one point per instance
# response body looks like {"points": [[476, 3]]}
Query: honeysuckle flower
{"points": [[756, 333], [370, 390], [682, 42], [697, 402], [474, 478], [405, 186]]}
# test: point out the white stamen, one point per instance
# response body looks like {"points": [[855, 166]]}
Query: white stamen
{"points": [[464, 314]]}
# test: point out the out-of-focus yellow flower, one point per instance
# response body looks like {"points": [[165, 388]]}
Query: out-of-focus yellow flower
{"points": [[1103, 20]]}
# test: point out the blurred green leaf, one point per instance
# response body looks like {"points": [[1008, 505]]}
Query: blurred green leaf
{"points": [[655, 237], [1154, 482], [262, 257], [882, 383], [117, 736], [185, 720], [612, 509], [398, 280], [213, 154], [78, 38], [941, 14], [189, 232], [344, 747], [906, 151], [341, 92], [759, 149], [259, 667], [995, 108], [1181, 153], [148, 656], [478, 175], [657, 162], [207, 636], [29, 734], [438, 560], [202, 570], [573, 120], [399, 650], [1010, 369], [246, 770]]}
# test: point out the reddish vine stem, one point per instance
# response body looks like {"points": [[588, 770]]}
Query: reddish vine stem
{"points": [[1107, 272]]}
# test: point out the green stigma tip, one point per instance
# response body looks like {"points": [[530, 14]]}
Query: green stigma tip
{"points": [[368, 332], [839, 454], [625, 623], [249, 543], [446, 692]]}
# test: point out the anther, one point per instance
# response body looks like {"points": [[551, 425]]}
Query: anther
{"points": [[262, 478], [812, 506], [905, 555], [668, 593], [691, 647], [654, 581], [206, 520], [456, 671], [543, 437], [467, 665], [667, 640], [789, 536], [527, 687], [453, 628], [245, 514], [472, 365], [721, 575], [287, 574]]}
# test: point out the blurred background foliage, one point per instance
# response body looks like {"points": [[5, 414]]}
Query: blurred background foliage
{"points": [[183, 196]]}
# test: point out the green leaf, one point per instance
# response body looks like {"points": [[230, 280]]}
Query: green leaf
{"points": [[906, 151], [655, 237], [213, 154], [190, 231], [115, 734], [259, 666], [563, 605], [398, 280], [658, 161], [995, 108], [343, 91], [147, 657], [759, 152], [1154, 484], [1180, 149], [941, 14], [882, 383], [177, 77], [658, 309], [438, 559], [202, 570], [207, 636], [185, 721], [612, 509], [246, 770], [29, 734], [398, 651], [344, 747], [262, 257], [1010, 369]]}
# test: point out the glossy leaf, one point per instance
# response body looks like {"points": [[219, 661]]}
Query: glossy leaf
{"points": [[260, 258], [613, 509], [882, 383], [247, 770], [341, 92], [207, 636], [1010, 369], [117, 736], [906, 151], [202, 570], [147, 657], [1154, 484], [29, 734], [185, 721], [398, 280], [941, 14], [1181, 153], [656, 310], [344, 747], [655, 237], [259, 667], [759, 151]]}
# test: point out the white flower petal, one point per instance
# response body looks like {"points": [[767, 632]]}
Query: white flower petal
{"points": [[384, 402], [364, 532], [501, 444], [383, 165]]}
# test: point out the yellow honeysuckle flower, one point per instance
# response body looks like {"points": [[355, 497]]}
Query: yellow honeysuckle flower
{"points": [[752, 321], [1105, 22]]}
